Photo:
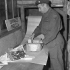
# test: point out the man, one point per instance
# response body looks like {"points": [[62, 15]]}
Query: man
{"points": [[50, 26]]}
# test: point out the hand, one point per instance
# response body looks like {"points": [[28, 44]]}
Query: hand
{"points": [[42, 44], [32, 37]]}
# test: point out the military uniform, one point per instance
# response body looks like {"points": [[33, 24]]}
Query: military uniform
{"points": [[50, 27]]}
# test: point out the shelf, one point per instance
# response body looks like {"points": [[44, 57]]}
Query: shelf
{"points": [[31, 4], [34, 6]]}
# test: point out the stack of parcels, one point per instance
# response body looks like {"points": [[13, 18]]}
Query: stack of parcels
{"points": [[32, 23]]}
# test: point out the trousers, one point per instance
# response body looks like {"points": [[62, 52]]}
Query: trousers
{"points": [[55, 51]]}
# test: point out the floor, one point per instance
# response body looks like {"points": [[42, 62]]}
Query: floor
{"points": [[48, 65]]}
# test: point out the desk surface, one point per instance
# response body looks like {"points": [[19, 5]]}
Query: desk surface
{"points": [[34, 57], [36, 64], [41, 58], [22, 66]]}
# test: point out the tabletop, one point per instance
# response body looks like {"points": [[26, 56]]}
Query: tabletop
{"points": [[36, 63]]}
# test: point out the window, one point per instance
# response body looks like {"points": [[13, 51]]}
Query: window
{"points": [[8, 8]]}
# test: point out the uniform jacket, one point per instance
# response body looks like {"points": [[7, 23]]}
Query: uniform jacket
{"points": [[49, 26]]}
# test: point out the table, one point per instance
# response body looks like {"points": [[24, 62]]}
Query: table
{"points": [[22, 66], [36, 64]]}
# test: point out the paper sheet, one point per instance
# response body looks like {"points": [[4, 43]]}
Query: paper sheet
{"points": [[32, 23], [40, 57]]}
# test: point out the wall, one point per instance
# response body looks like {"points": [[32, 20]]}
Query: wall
{"points": [[10, 41]]}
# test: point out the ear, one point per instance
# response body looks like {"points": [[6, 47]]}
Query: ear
{"points": [[43, 4]]}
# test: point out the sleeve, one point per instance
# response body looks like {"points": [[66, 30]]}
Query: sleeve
{"points": [[53, 29], [37, 31]]}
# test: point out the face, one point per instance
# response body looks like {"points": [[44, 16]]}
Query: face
{"points": [[43, 8]]}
